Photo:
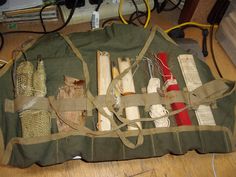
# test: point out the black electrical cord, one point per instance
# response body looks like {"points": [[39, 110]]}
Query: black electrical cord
{"points": [[162, 6], [212, 51], [171, 8], [24, 55], [179, 33], [40, 32], [41, 16], [68, 19], [99, 4], [154, 6], [137, 15], [109, 20], [137, 12]]}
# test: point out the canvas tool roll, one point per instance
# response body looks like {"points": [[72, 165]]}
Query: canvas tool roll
{"points": [[74, 57]]}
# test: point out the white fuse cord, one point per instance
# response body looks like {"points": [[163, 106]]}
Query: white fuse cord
{"points": [[157, 110]]}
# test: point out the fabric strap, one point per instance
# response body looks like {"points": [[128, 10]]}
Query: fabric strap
{"points": [[22, 103], [206, 94], [194, 99], [89, 95]]}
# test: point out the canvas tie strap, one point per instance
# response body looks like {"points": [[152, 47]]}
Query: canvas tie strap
{"points": [[114, 82], [22, 103], [91, 97], [85, 70], [140, 136], [206, 94]]}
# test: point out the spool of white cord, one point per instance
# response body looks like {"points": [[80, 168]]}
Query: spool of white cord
{"points": [[157, 110]]}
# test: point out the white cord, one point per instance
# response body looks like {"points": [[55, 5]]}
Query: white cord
{"points": [[158, 109], [162, 63], [213, 164], [155, 64]]}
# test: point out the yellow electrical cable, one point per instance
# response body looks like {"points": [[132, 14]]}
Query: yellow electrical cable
{"points": [[190, 23], [148, 10], [120, 12], [149, 13]]}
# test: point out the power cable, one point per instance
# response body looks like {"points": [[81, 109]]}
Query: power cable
{"points": [[189, 24], [148, 13], [40, 32], [137, 12], [99, 4], [212, 50], [171, 8], [41, 15]]}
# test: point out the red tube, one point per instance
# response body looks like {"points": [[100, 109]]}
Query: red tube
{"points": [[181, 118]]}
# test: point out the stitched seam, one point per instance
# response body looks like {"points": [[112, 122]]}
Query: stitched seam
{"points": [[153, 145], [92, 149], [123, 149], [178, 141], [57, 152], [226, 142]]}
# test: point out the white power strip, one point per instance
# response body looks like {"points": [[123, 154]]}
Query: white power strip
{"points": [[108, 9]]}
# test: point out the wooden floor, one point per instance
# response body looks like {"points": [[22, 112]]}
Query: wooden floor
{"points": [[188, 165]]}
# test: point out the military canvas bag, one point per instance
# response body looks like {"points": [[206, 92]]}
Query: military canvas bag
{"points": [[75, 56]]}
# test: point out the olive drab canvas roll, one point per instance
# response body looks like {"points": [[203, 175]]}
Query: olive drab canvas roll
{"points": [[72, 102]]}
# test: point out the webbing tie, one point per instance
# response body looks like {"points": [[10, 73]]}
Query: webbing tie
{"points": [[89, 95]]}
